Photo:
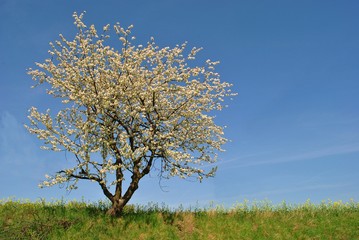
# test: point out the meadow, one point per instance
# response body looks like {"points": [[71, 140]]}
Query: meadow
{"points": [[20, 219]]}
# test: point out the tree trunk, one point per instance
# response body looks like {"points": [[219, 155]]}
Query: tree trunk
{"points": [[118, 203], [116, 208]]}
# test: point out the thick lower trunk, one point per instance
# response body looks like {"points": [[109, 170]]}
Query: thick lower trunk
{"points": [[118, 204], [116, 208]]}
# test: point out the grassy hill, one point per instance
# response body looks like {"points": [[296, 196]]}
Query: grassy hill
{"points": [[80, 220]]}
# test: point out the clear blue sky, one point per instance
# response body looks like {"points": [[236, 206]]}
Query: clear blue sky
{"points": [[294, 125]]}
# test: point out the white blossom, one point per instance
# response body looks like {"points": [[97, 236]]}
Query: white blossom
{"points": [[105, 28]]}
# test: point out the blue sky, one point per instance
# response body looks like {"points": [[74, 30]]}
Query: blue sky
{"points": [[294, 126]]}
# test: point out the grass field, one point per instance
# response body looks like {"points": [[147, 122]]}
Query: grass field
{"points": [[80, 220]]}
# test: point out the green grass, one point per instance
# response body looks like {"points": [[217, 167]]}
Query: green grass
{"points": [[80, 220]]}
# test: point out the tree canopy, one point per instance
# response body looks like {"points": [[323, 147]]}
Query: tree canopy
{"points": [[126, 110]]}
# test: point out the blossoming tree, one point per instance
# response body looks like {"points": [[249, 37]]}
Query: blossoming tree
{"points": [[126, 111]]}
